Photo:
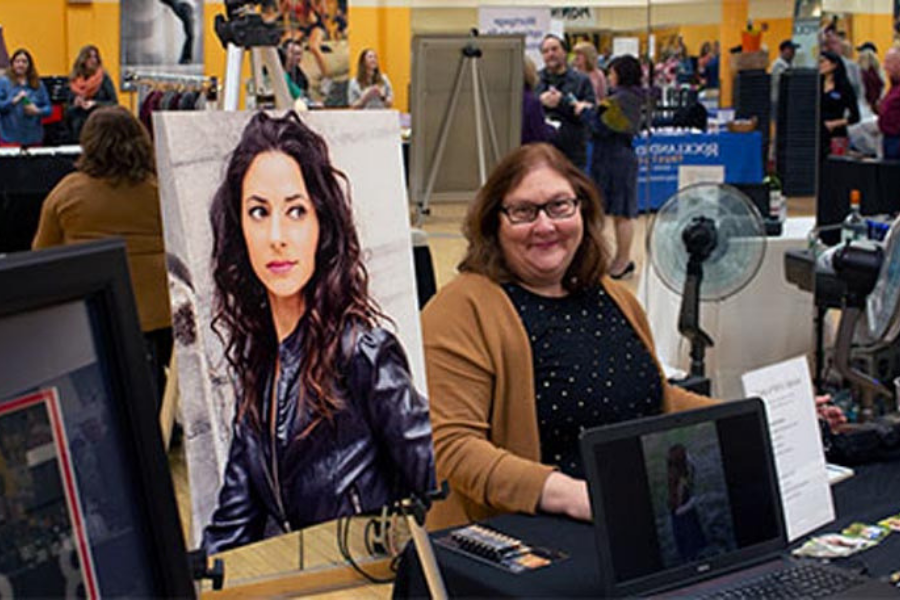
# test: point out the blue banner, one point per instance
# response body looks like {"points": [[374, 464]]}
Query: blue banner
{"points": [[660, 156]]}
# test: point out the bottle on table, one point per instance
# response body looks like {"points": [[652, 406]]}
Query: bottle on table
{"points": [[854, 226]]}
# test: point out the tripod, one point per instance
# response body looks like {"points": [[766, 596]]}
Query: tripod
{"points": [[468, 62], [243, 30]]}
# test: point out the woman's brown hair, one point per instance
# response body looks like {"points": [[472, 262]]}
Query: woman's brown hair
{"points": [[31, 75], [589, 52], [115, 146], [482, 223], [529, 73], [78, 69], [362, 72], [337, 296]]}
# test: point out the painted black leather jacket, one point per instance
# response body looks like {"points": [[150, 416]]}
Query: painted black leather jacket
{"points": [[377, 450]]}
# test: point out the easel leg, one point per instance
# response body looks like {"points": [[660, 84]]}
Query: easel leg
{"points": [[269, 55], [234, 60], [426, 559]]}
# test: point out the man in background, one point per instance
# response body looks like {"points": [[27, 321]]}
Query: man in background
{"points": [[558, 88], [787, 49], [889, 108]]}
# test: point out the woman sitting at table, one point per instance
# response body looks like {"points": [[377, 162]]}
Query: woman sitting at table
{"points": [[531, 344], [23, 102]]}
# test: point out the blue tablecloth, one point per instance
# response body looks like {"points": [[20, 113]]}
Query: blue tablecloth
{"points": [[663, 153]]}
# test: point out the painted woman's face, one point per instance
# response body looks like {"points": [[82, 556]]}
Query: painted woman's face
{"points": [[280, 225]]}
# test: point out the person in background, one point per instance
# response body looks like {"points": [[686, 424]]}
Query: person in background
{"points": [[298, 84], [89, 88], [614, 167], [712, 69], [23, 102], [873, 77], [114, 192], [838, 106], [558, 89], [834, 43], [787, 49], [889, 108], [703, 60], [370, 88], [534, 126], [531, 344], [585, 61]]}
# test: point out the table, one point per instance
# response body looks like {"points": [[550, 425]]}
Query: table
{"points": [[661, 155], [872, 494], [25, 180], [768, 321]]}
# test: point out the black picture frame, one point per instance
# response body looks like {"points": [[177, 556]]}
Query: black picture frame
{"points": [[97, 274]]}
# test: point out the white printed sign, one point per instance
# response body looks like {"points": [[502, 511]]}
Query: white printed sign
{"points": [[787, 391]]}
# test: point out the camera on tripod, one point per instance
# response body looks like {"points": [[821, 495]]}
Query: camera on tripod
{"points": [[245, 27]]}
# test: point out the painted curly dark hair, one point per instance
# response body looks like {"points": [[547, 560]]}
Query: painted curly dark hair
{"points": [[336, 296]]}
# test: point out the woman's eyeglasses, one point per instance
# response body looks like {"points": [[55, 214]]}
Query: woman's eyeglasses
{"points": [[527, 212]]}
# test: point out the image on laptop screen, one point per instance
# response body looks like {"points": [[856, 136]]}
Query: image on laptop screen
{"points": [[687, 489], [678, 496]]}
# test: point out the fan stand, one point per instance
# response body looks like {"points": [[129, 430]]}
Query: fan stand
{"points": [[689, 325], [700, 239]]}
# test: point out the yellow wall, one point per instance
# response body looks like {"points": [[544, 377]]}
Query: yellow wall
{"points": [[694, 36], [873, 28], [734, 21], [39, 27], [53, 31]]}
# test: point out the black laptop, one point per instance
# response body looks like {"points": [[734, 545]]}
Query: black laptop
{"points": [[688, 504]]}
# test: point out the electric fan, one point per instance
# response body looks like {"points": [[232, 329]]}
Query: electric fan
{"points": [[706, 243]]}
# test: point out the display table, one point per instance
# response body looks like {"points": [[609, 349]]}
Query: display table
{"points": [[663, 153], [25, 180], [768, 321], [872, 494]]}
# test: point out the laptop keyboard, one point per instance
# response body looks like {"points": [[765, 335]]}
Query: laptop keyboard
{"points": [[800, 581]]}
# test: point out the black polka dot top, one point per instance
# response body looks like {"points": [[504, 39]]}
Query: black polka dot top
{"points": [[590, 369]]}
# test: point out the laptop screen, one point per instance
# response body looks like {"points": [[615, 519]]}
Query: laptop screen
{"points": [[680, 497]]}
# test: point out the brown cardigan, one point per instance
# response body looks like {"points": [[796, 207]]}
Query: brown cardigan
{"points": [[82, 208], [481, 392]]}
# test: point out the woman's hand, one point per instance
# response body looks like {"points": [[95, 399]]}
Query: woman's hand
{"points": [[832, 125], [31, 110], [19, 97], [565, 495], [580, 106], [372, 92], [551, 98], [831, 414]]}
